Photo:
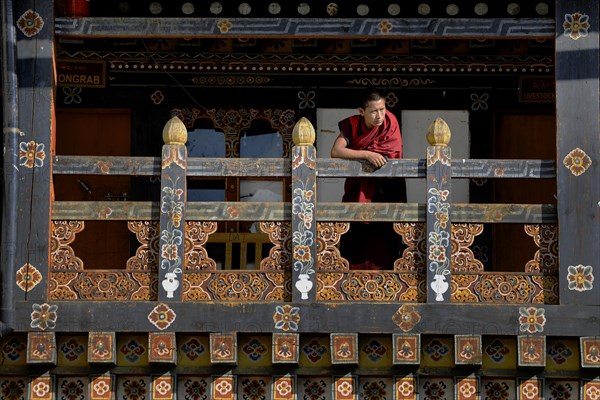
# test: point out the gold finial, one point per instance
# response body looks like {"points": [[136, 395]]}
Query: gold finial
{"points": [[174, 132], [303, 133], [438, 133]]}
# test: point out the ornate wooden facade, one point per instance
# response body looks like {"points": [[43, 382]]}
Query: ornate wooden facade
{"points": [[170, 319]]}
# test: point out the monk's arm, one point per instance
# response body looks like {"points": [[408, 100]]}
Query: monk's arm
{"points": [[340, 150]]}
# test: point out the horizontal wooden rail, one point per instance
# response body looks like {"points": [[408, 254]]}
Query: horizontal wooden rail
{"points": [[280, 167], [247, 211], [306, 27]]}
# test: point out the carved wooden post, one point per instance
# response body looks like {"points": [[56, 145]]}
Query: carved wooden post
{"points": [[304, 198], [172, 210], [439, 248]]}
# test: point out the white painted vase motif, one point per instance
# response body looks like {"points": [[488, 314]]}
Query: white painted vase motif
{"points": [[170, 283], [303, 284], [439, 286]]}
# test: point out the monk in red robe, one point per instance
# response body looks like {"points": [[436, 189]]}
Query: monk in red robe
{"points": [[373, 135]]}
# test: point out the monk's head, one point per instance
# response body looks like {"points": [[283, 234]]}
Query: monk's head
{"points": [[373, 108]]}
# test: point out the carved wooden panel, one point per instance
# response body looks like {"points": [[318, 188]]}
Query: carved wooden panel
{"points": [[545, 259], [328, 237], [62, 255], [413, 257]]}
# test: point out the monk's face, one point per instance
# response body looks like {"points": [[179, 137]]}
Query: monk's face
{"points": [[374, 114]]}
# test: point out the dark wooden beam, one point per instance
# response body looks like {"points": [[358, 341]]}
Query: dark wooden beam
{"points": [[248, 211], [578, 150], [319, 317], [531, 28]]}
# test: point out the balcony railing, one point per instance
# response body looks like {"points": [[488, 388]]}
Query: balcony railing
{"points": [[304, 263]]}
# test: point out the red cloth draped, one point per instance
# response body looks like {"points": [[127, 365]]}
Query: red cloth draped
{"points": [[385, 139]]}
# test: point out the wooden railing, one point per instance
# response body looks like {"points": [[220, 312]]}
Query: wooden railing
{"points": [[304, 263]]}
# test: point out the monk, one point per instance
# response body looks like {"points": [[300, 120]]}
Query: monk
{"points": [[373, 135]]}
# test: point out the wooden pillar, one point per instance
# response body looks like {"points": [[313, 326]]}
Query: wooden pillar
{"points": [[578, 152], [34, 147], [172, 210], [304, 199], [439, 227]]}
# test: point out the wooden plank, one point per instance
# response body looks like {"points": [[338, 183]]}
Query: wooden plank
{"points": [[531, 28], [35, 58], [304, 224], [438, 221], [109, 165], [280, 167], [172, 214], [503, 169], [319, 317], [248, 211], [578, 151]]}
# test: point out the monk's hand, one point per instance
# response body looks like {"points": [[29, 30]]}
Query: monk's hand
{"points": [[376, 159]]}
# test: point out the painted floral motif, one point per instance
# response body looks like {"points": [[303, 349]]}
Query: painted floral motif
{"points": [[560, 391], [467, 352], [375, 350], [385, 26], [223, 386], [100, 386], [193, 348], [406, 388], [157, 97], [44, 316], [307, 99], [391, 100], [72, 349], [133, 350], [134, 390], [436, 349], [496, 391], [374, 391], [195, 389], [576, 25], [72, 390], [28, 277], [72, 95], [314, 350], [104, 166], [224, 25], [283, 387], [304, 158], [30, 23], [497, 350], [435, 390], [406, 351], [302, 237], [577, 161], [162, 316], [31, 154], [13, 390], [560, 352], [314, 390], [163, 386], [254, 349], [406, 317], [13, 348], [530, 390], [439, 238], [479, 101], [344, 387], [171, 238], [592, 391], [41, 388], [254, 389], [532, 319], [467, 389], [286, 318], [580, 277]]}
